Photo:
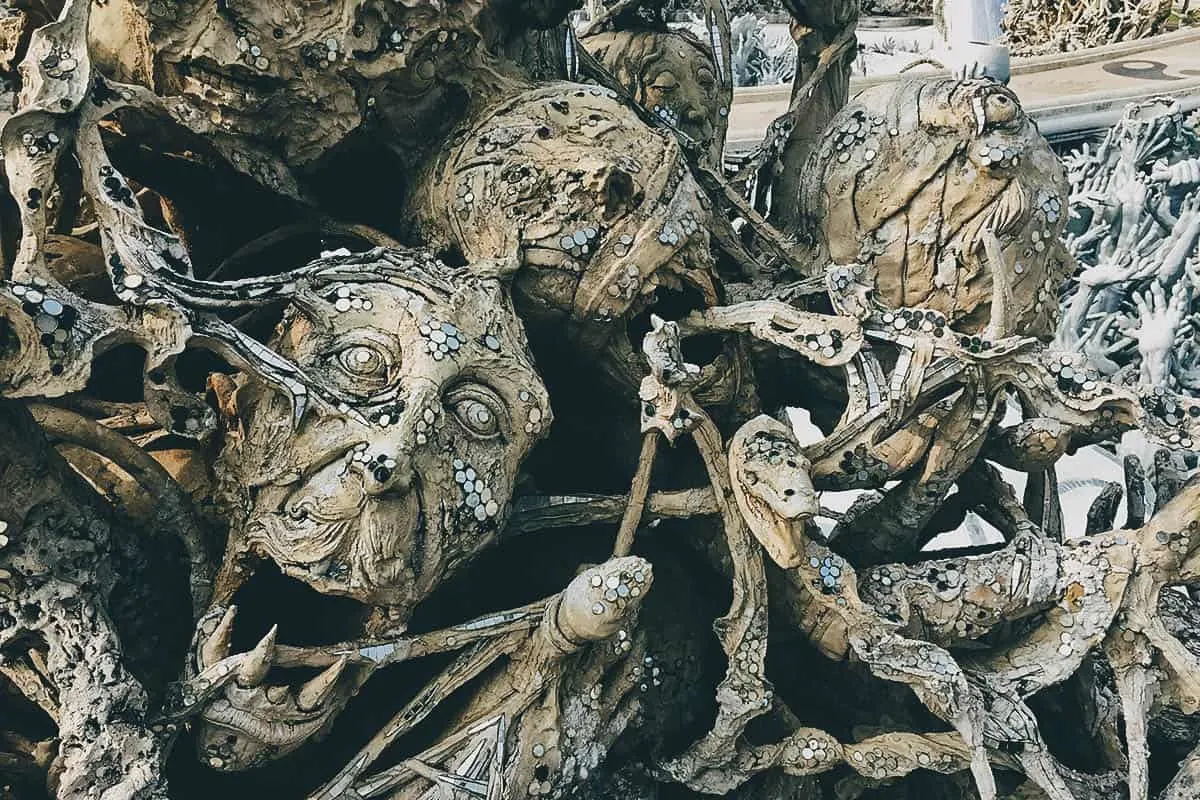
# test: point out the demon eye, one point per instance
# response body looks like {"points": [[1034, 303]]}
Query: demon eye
{"points": [[1001, 109], [477, 408], [363, 361], [362, 367]]}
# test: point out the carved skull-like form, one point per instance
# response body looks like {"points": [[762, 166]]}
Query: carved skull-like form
{"points": [[379, 498], [674, 76], [599, 210], [383, 494], [913, 178]]}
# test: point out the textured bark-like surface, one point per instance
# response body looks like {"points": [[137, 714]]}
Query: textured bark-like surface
{"points": [[1034, 27], [826, 48], [676, 77], [57, 578], [898, 8], [422, 383], [917, 181]]}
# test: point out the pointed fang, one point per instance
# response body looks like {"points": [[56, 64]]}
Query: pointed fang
{"points": [[258, 661], [314, 693], [216, 646]]}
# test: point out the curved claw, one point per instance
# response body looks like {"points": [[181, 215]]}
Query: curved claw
{"points": [[216, 647], [314, 693], [253, 670]]}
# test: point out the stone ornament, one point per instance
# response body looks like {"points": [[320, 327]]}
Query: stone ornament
{"points": [[626, 215], [673, 75], [437, 404]]}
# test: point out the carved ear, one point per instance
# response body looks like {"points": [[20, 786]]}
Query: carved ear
{"points": [[772, 487]]}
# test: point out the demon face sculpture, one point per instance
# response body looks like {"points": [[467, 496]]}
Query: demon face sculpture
{"points": [[943, 188], [599, 210], [381, 493], [672, 75], [380, 496]]}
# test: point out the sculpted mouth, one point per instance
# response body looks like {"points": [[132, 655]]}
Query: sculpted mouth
{"points": [[262, 714], [334, 539], [337, 540], [312, 508], [233, 86]]}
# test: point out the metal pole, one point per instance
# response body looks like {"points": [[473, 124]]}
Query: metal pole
{"points": [[974, 39]]}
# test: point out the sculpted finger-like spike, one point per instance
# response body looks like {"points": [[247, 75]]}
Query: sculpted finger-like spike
{"points": [[1002, 323], [1135, 687], [314, 693], [1103, 512], [258, 661], [1135, 490], [216, 646]]}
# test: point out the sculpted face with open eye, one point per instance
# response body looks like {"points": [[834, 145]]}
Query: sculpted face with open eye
{"points": [[437, 404], [424, 401]]}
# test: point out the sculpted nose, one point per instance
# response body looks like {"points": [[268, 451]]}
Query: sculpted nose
{"points": [[395, 434], [386, 472]]}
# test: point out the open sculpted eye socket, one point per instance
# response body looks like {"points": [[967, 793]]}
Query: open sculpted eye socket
{"points": [[364, 361], [361, 367], [478, 409], [1001, 109]]}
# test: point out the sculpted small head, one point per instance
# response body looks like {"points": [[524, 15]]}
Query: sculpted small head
{"points": [[407, 469], [599, 210], [672, 74]]}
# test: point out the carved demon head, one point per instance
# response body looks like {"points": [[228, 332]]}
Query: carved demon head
{"points": [[600, 210], [408, 473], [912, 178], [673, 75]]}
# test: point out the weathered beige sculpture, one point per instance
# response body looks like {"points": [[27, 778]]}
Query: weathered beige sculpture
{"points": [[914, 181], [675, 77], [312, 522], [410, 472], [625, 215], [381, 496]]}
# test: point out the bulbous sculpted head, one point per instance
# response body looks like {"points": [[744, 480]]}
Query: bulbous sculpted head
{"points": [[437, 404], [673, 75], [911, 177], [599, 209], [300, 75]]}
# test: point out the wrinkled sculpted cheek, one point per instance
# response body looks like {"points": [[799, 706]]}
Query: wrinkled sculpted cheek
{"points": [[331, 535], [382, 558], [291, 543], [334, 493]]}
